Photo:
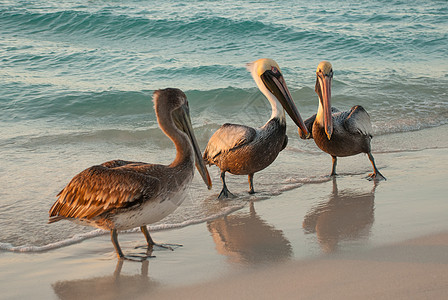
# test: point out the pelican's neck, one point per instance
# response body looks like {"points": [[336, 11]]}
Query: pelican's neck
{"points": [[320, 114], [277, 108], [184, 149]]}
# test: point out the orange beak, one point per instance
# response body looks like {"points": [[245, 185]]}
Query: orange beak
{"points": [[325, 99]]}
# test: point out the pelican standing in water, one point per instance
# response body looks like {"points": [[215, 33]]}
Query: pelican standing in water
{"points": [[120, 195], [339, 133], [243, 150]]}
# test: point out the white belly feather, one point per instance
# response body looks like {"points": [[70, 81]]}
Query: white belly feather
{"points": [[151, 211]]}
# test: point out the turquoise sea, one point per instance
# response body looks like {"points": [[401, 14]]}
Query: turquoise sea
{"points": [[76, 83]]}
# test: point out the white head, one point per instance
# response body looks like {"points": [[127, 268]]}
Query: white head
{"points": [[270, 81]]}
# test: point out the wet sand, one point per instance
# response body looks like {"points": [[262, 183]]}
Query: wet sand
{"points": [[346, 238], [415, 269]]}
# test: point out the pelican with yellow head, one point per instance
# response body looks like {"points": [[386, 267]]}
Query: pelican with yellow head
{"points": [[339, 133]]}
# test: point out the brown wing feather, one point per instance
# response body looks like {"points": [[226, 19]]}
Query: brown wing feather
{"points": [[358, 121], [119, 163], [100, 189], [227, 138]]}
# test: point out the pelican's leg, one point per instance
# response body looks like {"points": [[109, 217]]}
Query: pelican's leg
{"points": [[335, 162], [376, 174], [225, 193], [151, 242], [148, 238], [251, 183], [113, 237]]}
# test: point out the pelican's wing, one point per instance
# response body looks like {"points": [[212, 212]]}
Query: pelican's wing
{"points": [[334, 110], [227, 138], [100, 189], [358, 121], [310, 122], [118, 163]]}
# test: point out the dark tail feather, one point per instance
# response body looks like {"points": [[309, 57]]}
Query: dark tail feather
{"points": [[55, 219]]}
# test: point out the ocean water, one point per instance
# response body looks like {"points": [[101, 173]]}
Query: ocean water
{"points": [[77, 77]]}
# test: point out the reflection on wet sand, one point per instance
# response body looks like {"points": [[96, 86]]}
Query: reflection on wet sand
{"points": [[347, 215], [246, 238], [116, 286]]}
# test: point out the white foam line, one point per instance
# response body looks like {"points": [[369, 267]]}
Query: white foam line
{"points": [[73, 240], [81, 237]]}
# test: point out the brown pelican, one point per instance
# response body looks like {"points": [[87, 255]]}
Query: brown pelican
{"points": [[243, 150], [339, 133], [120, 195]]}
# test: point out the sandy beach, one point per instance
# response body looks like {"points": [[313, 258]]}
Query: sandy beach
{"points": [[415, 269], [344, 238]]}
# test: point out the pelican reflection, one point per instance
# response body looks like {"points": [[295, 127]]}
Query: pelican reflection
{"points": [[347, 215], [116, 286], [247, 239]]}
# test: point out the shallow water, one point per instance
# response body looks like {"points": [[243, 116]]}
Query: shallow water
{"points": [[76, 82]]}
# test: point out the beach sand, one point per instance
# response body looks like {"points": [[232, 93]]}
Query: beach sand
{"points": [[346, 238], [415, 269]]}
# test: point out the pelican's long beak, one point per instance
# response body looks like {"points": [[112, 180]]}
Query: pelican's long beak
{"points": [[325, 99], [183, 121], [277, 86]]}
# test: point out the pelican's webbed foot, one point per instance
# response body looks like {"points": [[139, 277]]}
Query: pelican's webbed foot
{"points": [[376, 176], [150, 242], [138, 257], [164, 246], [225, 193]]}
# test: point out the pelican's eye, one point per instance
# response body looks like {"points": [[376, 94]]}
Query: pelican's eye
{"points": [[274, 70]]}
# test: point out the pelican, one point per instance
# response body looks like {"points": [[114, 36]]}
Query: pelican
{"points": [[243, 150], [339, 133], [120, 195]]}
